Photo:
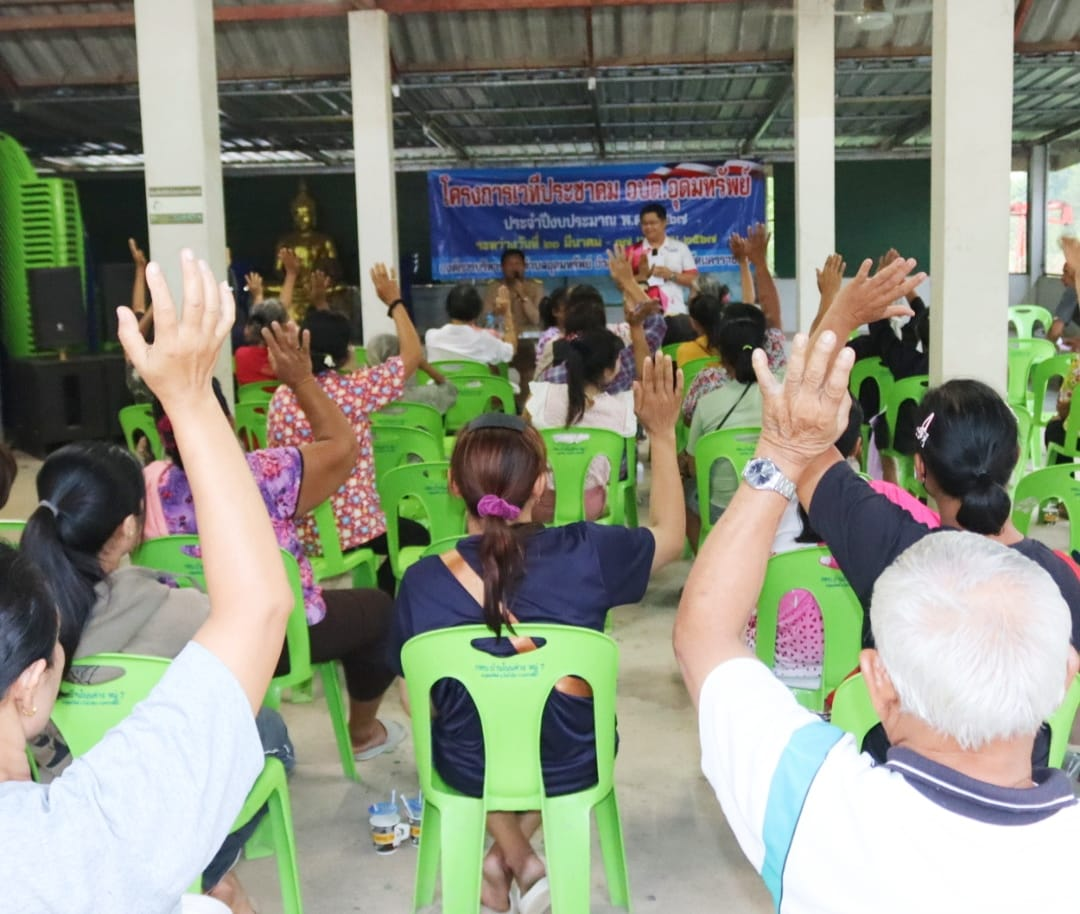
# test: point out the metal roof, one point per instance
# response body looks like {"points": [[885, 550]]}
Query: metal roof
{"points": [[486, 81]]}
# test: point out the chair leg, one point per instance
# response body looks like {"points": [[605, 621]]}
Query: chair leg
{"points": [[261, 843], [302, 693], [427, 859], [365, 575], [609, 827], [567, 845], [462, 840], [281, 824], [335, 704]]}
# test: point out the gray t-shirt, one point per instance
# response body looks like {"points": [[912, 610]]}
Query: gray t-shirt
{"points": [[1067, 306], [129, 826]]}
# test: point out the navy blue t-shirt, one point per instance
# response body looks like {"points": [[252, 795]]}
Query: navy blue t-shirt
{"points": [[573, 576]]}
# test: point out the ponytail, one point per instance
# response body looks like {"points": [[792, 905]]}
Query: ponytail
{"points": [[568, 354], [502, 561], [984, 508], [587, 357], [740, 332]]}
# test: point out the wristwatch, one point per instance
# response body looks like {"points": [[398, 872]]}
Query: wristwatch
{"points": [[762, 473]]}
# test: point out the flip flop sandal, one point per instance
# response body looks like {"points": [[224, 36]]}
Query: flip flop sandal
{"points": [[535, 901], [395, 733]]}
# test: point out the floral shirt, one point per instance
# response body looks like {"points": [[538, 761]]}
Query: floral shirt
{"points": [[711, 379], [654, 327], [277, 473], [358, 394], [1069, 382]]}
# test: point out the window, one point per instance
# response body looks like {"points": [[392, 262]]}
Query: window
{"points": [[1062, 194], [1018, 214]]}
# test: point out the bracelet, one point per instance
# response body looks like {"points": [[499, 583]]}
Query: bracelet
{"points": [[390, 307]]}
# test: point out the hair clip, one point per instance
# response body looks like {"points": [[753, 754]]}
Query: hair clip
{"points": [[922, 433], [495, 506]]}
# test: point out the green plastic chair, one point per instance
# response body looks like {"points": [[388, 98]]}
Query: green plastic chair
{"points": [[427, 484], [360, 356], [510, 694], [477, 396], [257, 391], [1037, 488], [736, 446], [569, 453], [628, 486], [395, 444], [332, 561], [841, 613], [441, 545], [174, 554], [84, 713], [913, 388], [1070, 447], [1025, 317], [694, 367], [249, 419], [411, 415], [669, 349], [1023, 354], [1061, 723], [870, 370], [463, 368], [140, 418], [11, 531], [852, 710], [1024, 429], [1058, 366]]}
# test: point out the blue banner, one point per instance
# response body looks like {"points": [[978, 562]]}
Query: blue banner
{"points": [[565, 219]]}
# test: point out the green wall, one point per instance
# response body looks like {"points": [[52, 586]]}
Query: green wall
{"points": [[879, 204]]}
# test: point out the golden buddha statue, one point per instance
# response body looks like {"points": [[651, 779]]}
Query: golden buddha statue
{"points": [[313, 249]]}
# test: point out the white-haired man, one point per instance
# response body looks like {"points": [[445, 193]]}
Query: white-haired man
{"points": [[972, 654]]}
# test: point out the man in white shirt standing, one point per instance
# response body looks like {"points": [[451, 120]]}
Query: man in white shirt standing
{"points": [[462, 339], [665, 264]]}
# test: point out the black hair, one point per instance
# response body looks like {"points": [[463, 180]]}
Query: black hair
{"points": [[164, 424], [678, 329], [655, 209], [91, 486], [463, 303], [845, 444], [584, 310], [9, 469], [741, 330], [28, 619], [708, 310], [968, 441], [329, 339], [549, 304], [586, 357], [511, 252]]}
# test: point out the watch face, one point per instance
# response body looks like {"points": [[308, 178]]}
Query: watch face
{"points": [[759, 472]]}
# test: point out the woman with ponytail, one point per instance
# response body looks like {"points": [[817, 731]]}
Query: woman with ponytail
{"points": [[511, 569], [591, 361]]}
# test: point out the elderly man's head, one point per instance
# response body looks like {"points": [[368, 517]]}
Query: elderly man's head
{"points": [[972, 640]]}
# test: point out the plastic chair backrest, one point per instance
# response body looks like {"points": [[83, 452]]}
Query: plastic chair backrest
{"points": [[250, 423], [669, 349], [441, 545], [1042, 373], [693, 368], [841, 614], [360, 356], [569, 453], [1061, 723], [510, 694], [257, 391], [463, 368], [395, 445], [871, 369], [736, 446], [1024, 431], [913, 388], [177, 554], [1025, 317], [427, 483], [411, 415], [476, 396], [1036, 488], [852, 710], [85, 713], [140, 418], [11, 531], [1023, 354]]}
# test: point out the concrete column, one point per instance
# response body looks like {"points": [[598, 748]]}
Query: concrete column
{"points": [[373, 141], [971, 159], [178, 102], [815, 172], [1036, 221]]}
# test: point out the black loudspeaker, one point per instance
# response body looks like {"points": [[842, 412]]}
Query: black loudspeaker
{"points": [[114, 282], [57, 308]]}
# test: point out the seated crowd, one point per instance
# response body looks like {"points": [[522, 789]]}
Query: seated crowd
{"points": [[968, 626]]}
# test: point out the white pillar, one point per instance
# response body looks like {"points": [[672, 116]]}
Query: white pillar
{"points": [[373, 141], [815, 172], [971, 159], [178, 102], [1036, 221]]}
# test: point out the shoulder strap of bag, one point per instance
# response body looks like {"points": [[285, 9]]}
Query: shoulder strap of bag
{"points": [[727, 415]]}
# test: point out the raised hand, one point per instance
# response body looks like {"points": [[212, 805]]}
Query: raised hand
{"points": [[757, 242], [502, 301], [803, 416], [621, 269], [290, 262], [179, 364], [137, 254], [318, 287], [254, 283], [289, 352], [386, 283], [636, 309], [887, 258], [658, 395], [829, 277], [866, 298], [738, 246]]}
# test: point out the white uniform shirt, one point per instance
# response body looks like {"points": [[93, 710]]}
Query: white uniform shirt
{"points": [[675, 256], [463, 341]]}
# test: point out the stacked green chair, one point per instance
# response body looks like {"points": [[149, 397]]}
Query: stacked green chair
{"points": [[841, 614], [257, 391], [332, 561], [476, 396], [178, 555], [510, 694], [84, 713], [1025, 317], [1023, 355], [11, 531], [427, 486], [736, 446], [907, 389], [394, 445], [1057, 483], [569, 453], [871, 370], [139, 417], [1042, 373], [249, 419], [410, 415]]}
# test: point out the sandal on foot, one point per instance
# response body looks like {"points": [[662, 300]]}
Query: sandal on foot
{"points": [[395, 733], [535, 901]]}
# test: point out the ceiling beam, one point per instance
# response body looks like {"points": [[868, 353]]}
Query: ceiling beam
{"points": [[778, 102], [911, 127], [1060, 133]]}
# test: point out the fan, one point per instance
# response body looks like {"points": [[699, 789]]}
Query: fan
{"points": [[873, 16]]}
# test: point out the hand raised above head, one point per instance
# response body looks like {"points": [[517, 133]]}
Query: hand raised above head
{"points": [[738, 246], [866, 298], [137, 254], [830, 276], [658, 395], [757, 241], [620, 267], [179, 364], [254, 283], [803, 416], [289, 351], [386, 283], [290, 262]]}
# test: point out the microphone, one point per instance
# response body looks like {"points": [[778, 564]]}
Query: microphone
{"points": [[656, 252]]}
